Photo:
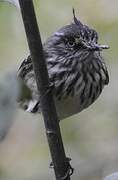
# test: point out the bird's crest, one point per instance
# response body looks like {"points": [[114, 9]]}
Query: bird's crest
{"points": [[76, 21]]}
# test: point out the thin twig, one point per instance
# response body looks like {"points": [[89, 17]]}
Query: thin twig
{"points": [[61, 164]]}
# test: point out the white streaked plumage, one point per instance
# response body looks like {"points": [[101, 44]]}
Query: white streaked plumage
{"points": [[75, 67]]}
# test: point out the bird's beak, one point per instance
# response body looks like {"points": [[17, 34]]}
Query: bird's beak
{"points": [[95, 47], [98, 47]]}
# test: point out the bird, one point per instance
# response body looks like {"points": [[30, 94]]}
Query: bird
{"points": [[76, 69]]}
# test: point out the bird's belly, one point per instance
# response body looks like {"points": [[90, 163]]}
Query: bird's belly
{"points": [[68, 107], [72, 105]]}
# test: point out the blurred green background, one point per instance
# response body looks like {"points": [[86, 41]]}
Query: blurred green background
{"points": [[91, 137]]}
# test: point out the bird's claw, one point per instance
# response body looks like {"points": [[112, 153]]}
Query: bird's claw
{"points": [[69, 171]]}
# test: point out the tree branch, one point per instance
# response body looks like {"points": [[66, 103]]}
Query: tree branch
{"points": [[61, 163]]}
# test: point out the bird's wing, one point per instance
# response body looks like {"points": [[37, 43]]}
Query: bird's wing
{"points": [[29, 99]]}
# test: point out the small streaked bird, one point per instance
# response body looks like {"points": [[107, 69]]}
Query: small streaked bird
{"points": [[75, 67]]}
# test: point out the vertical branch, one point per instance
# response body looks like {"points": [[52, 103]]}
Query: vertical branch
{"points": [[60, 162]]}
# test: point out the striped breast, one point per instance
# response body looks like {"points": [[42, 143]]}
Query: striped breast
{"points": [[78, 87]]}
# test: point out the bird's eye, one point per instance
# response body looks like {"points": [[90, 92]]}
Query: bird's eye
{"points": [[71, 43]]}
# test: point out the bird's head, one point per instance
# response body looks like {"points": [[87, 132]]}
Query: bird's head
{"points": [[73, 40]]}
